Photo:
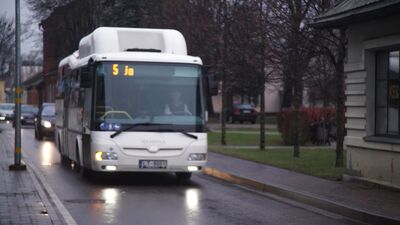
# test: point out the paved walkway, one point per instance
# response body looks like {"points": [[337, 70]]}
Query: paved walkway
{"points": [[361, 202], [20, 200]]}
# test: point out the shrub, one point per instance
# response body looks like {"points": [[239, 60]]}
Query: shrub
{"points": [[307, 117]]}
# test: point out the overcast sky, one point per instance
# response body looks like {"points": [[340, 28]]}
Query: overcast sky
{"points": [[29, 44]]}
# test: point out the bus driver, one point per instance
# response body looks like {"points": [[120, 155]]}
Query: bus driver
{"points": [[175, 106]]}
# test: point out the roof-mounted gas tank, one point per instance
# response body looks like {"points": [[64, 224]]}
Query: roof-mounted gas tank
{"points": [[115, 39]]}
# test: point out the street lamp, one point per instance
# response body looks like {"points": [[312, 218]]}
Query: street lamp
{"points": [[18, 91]]}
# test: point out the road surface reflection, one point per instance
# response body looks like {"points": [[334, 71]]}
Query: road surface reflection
{"points": [[46, 156]]}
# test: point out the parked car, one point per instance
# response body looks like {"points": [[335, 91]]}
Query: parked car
{"points": [[243, 112], [6, 111], [45, 121]]}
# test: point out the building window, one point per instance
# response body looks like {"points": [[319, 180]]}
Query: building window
{"points": [[387, 93]]}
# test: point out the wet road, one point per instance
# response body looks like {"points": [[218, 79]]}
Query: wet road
{"points": [[157, 198]]}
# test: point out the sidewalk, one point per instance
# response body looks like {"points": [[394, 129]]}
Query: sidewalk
{"points": [[20, 199], [356, 201]]}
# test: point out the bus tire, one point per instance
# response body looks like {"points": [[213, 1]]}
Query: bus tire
{"points": [[183, 176], [85, 173]]}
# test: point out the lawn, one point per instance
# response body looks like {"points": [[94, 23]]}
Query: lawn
{"points": [[317, 162], [243, 138]]}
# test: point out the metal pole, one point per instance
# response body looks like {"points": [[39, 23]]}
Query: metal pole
{"points": [[18, 90]]}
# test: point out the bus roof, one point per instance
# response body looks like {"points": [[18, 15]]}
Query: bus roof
{"points": [[116, 39], [131, 44]]}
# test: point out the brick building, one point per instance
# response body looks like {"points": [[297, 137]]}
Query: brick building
{"points": [[51, 57]]}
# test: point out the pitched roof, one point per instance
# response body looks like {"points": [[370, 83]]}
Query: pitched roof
{"points": [[350, 11]]}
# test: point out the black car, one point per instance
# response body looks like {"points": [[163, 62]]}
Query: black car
{"points": [[45, 121], [28, 114], [243, 112]]}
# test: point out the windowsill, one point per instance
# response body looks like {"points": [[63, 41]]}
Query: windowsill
{"points": [[381, 139]]}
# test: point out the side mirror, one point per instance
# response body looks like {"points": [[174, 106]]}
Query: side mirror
{"points": [[212, 86]]}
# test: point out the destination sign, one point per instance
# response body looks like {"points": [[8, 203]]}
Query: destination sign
{"points": [[122, 70]]}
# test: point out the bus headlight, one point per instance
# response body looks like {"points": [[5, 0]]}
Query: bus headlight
{"points": [[197, 157], [45, 123], [100, 156]]}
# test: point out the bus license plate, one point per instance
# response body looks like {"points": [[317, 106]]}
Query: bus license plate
{"points": [[152, 164]]}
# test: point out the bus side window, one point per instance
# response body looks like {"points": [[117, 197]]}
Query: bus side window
{"points": [[61, 83], [86, 77]]}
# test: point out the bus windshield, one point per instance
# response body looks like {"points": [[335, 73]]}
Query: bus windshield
{"points": [[130, 93]]}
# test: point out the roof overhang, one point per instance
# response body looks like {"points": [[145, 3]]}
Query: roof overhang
{"points": [[33, 81], [368, 12]]}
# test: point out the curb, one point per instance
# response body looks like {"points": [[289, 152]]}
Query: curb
{"points": [[54, 217], [306, 198], [56, 210]]}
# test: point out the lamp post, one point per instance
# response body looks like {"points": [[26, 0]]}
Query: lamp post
{"points": [[18, 91]]}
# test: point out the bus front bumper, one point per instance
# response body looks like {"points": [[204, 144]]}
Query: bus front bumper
{"points": [[148, 165]]}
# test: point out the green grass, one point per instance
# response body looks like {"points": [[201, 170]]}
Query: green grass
{"points": [[316, 162], [214, 138]]}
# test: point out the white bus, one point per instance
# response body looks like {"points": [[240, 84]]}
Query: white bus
{"points": [[131, 100]]}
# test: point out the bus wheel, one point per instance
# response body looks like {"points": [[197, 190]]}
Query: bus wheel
{"points": [[183, 176]]}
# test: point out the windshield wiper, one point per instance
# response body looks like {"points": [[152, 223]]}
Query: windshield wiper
{"points": [[131, 127], [180, 131], [154, 124]]}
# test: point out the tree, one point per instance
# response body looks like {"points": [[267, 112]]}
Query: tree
{"points": [[320, 79], [43, 8], [292, 41], [7, 42], [333, 44], [249, 50]]}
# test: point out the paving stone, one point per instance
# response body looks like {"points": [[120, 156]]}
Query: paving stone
{"points": [[20, 202]]}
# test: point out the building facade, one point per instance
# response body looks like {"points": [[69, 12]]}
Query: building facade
{"points": [[51, 58], [372, 87]]}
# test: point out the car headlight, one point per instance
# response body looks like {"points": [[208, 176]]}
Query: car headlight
{"points": [[45, 123], [22, 117], [100, 156], [197, 157]]}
